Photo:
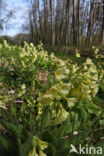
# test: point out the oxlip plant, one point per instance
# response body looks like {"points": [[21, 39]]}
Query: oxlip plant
{"points": [[46, 100]]}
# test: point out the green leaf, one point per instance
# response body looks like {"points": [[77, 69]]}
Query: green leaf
{"points": [[65, 128], [26, 146], [93, 109], [101, 122], [51, 151], [13, 112], [6, 146], [48, 136], [46, 118]]}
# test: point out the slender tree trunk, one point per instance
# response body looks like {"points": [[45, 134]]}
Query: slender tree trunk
{"points": [[58, 21], [30, 21], [90, 24], [74, 23], [45, 20], [67, 22], [62, 31], [52, 2], [103, 23], [40, 25], [35, 7], [78, 23]]}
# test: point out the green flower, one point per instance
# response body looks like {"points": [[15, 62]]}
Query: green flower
{"points": [[45, 99], [41, 153], [88, 61], [59, 74], [71, 102], [62, 115], [33, 152], [92, 68], [64, 88], [42, 144]]}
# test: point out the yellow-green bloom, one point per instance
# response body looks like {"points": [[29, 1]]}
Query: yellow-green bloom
{"points": [[88, 61], [74, 68], [77, 54], [76, 92], [64, 88], [23, 86], [59, 74], [85, 89], [62, 115], [45, 99], [54, 91], [42, 144], [94, 90], [33, 152], [71, 102], [41, 153], [94, 77], [92, 68], [60, 63]]}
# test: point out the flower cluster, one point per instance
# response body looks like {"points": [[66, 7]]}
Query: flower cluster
{"points": [[69, 82], [27, 57], [72, 83], [41, 145]]}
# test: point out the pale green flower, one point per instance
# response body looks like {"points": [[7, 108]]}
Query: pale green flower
{"points": [[94, 77], [94, 90], [23, 86], [42, 144], [85, 67], [52, 56], [31, 44], [96, 51], [85, 89], [45, 99], [74, 68], [41, 153], [64, 88], [60, 63], [33, 152], [92, 68], [54, 91], [88, 61], [76, 92], [62, 115], [77, 54], [22, 54], [71, 102], [59, 74]]}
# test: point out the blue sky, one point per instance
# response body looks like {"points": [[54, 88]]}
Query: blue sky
{"points": [[14, 25]]}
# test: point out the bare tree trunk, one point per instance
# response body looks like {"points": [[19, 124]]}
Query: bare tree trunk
{"points": [[40, 25], [62, 30], [78, 23], [103, 23], [34, 9], [58, 22], [74, 23], [52, 2], [31, 21], [45, 20], [90, 24], [67, 22], [82, 20]]}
